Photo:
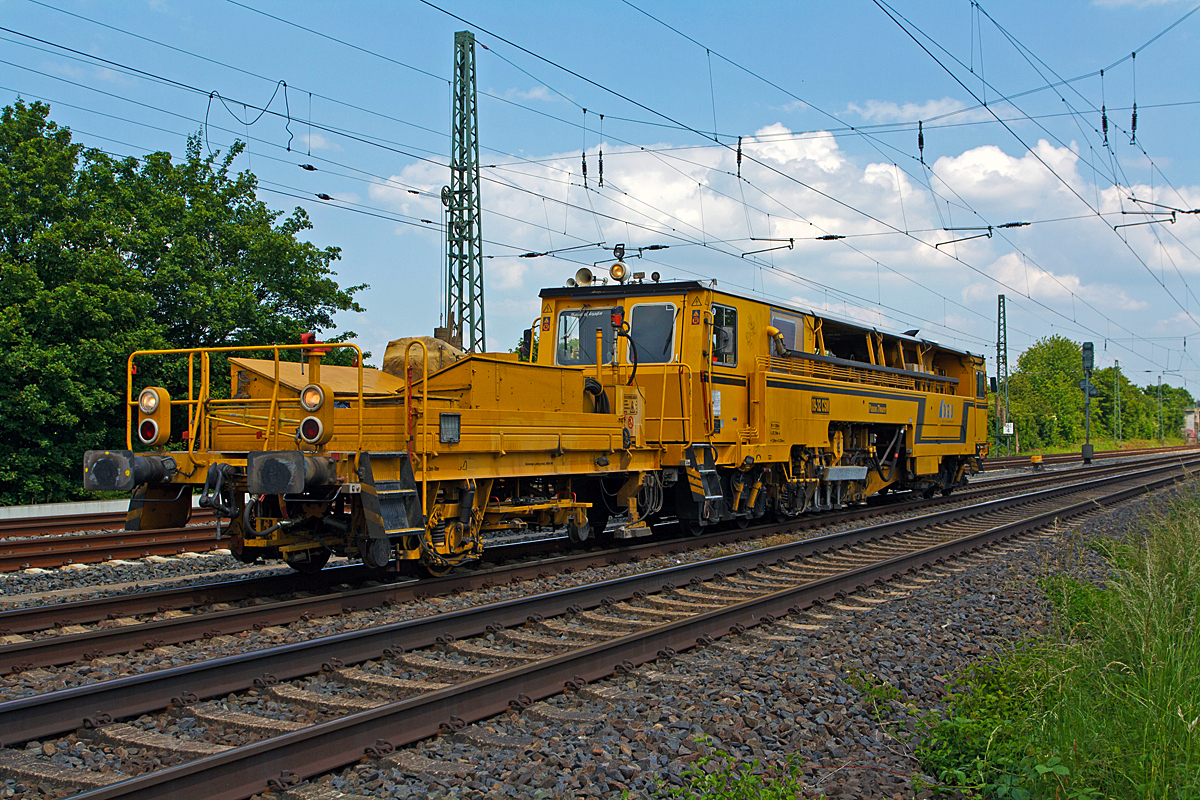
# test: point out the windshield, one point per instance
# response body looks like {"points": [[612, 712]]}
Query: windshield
{"points": [[576, 340], [652, 329]]}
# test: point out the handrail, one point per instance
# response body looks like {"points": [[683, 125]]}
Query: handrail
{"points": [[408, 412], [683, 417], [198, 399]]}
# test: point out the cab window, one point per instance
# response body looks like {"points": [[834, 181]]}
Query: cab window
{"points": [[980, 384], [652, 330], [575, 343], [787, 325], [724, 336]]}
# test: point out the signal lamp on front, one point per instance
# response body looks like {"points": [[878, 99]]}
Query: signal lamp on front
{"points": [[148, 400], [154, 416], [317, 426], [312, 397], [311, 430]]}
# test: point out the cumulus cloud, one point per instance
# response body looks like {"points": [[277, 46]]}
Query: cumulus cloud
{"points": [[887, 111], [694, 205], [315, 141]]}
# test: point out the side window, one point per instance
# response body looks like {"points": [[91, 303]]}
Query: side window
{"points": [[788, 326], [724, 340], [980, 384], [575, 343], [652, 330]]}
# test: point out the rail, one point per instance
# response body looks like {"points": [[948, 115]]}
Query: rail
{"points": [[201, 406]]}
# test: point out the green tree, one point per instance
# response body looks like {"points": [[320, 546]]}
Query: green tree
{"points": [[103, 256]]}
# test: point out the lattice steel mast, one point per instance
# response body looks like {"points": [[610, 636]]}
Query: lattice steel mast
{"points": [[464, 236]]}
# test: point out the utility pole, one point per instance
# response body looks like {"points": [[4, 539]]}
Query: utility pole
{"points": [[1002, 423], [464, 236], [1117, 404]]}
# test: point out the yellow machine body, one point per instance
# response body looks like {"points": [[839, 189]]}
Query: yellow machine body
{"points": [[702, 407]]}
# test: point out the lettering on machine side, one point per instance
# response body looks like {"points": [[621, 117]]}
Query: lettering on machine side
{"points": [[877, 408], [820, 405]]}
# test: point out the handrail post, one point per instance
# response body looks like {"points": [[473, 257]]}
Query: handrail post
{"points": [[408, 398]]}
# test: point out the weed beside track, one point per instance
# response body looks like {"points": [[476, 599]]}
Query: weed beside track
{"points": [[1108, 704]]}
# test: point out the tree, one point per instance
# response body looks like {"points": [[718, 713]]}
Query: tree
{"points": [[102, 257]]}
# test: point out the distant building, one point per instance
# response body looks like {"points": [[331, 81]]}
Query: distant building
{"points": [[1191, 424]]}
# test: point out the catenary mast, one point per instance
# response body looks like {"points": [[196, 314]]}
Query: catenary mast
{"points": [[464, 236]]}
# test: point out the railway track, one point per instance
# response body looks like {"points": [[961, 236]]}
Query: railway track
{"points": [[472, 663], [1009, 462], [55, 635], [39, 542], [74, 523], [508, 563]]}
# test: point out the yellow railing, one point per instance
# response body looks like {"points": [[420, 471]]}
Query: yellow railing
{"points": [[200, 404], [685, 404], [811, 367], [423, 452]]}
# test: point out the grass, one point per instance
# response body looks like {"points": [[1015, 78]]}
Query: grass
{"points": [[1109, 706], [719, 775], [1098, 445]]}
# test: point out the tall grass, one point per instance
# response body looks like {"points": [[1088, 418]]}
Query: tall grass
{"points": [[1110, 706]]}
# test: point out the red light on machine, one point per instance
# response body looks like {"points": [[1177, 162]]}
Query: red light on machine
{"points": [[148, 431], [617, 317], [311, 430]]}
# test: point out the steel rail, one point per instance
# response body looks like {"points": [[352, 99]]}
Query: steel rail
{"points": [[1008, 462], [243, 771], [72, 523], [65, 710], [57, 551], [68, 648], [35, 618]]}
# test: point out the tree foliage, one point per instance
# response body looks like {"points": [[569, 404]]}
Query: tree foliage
{"points": [[103, 256], [1046, 403]]}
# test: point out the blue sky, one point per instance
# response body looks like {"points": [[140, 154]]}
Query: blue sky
{"points": [[825, 96]]}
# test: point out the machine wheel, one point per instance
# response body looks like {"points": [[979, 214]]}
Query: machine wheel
{"points": [[691, 527], [742, 521], [438, 572], [577, 534], [316, 561]]}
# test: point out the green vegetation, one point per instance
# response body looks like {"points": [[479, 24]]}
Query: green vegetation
{"points": [[721, 776], [1109, 707], [1046, 403], [103, 256]]}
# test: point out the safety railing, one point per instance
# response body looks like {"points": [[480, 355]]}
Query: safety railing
{"points": [[423, 452], [203, 410], [810, 365], [685, 404]]}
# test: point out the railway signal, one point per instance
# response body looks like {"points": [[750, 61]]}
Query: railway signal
{"points": [[1089, 391]]}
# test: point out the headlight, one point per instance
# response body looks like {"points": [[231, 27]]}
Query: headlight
{"points": [[312, 397], [148, 401]]}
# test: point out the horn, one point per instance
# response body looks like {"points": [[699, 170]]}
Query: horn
{"points": [[583, 277], [572, 283]]}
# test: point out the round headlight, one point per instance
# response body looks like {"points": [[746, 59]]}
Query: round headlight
{"points": [[148, 401], [312, 397], [618, 271]]}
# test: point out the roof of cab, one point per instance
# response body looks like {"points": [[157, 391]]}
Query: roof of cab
{"points": [[619, 290]]}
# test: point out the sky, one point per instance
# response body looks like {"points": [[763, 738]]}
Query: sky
{"points": [[824, 97]]}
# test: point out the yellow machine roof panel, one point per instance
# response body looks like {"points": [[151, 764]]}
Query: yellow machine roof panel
{"points": [[342, 380]]}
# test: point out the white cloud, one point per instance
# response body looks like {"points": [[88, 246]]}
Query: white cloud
{"points": [[315, 141], [653, 198], [887, 111]]}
